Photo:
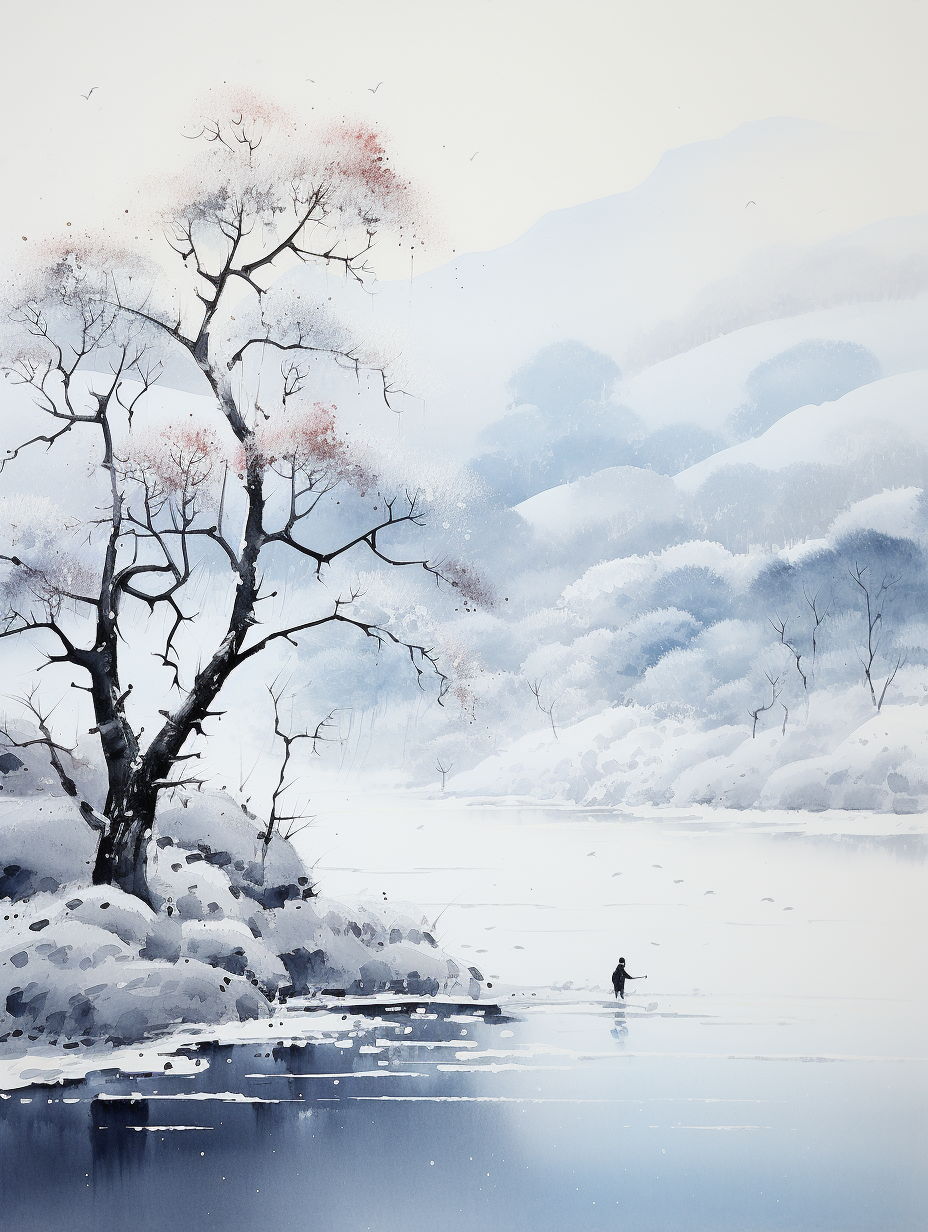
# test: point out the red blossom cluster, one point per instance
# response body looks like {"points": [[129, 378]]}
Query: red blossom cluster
{"points": [[360, 163], [474, 589], [304, 440], [180, 459]]}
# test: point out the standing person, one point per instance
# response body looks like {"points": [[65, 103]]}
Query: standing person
{"points": [[619, 976]]}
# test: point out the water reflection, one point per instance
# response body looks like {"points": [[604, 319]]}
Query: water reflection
{"points": [[620, 1027], [115, 1150], [550, 1121]]}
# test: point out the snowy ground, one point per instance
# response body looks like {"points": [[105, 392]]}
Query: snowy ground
{"points": [[727, 903]]}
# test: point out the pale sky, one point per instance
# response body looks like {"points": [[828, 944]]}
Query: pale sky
{"points": [[501, 109]]}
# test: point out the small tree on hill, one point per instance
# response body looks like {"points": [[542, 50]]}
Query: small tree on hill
{"points": [[875, 599], [231, 489]]}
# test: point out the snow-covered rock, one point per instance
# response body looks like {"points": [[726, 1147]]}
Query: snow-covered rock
{"points": [[228, 935]]}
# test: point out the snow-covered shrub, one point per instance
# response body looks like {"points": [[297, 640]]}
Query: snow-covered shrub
{"points": [[695, 589]]}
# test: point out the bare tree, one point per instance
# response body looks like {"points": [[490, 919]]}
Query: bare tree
{"points": [[780, 626], [874, 603], [289, 738], [233, 489], [535, 689], [775, 691], [900, 662], [818, 615], [443, 771]]}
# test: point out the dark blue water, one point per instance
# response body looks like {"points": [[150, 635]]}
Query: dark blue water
{"points": [[584, 1133]]}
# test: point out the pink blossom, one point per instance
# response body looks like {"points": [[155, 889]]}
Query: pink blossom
{"points": [[303, 439]]}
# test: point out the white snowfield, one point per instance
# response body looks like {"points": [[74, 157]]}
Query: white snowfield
{"points": [[790, 933], [620, 497]]}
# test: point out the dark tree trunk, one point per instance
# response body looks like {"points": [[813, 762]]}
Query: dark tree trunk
{"points": [[135, 779], [122, 854], [130, 813], [114, 861]]}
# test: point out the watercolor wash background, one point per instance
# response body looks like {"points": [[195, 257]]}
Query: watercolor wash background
{"points": [[673, 318]]}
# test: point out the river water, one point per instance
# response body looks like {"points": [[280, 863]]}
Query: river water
{"points": [[771, 1072]]}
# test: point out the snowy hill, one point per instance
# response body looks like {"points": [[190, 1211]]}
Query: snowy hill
{"points": [[882, 421], [612, 272], [679, 414], [622, 496], [706, 383], [696, 675], [887, 414]]}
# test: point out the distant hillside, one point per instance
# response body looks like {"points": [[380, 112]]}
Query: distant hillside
{"points": [[678, 260], [886, 261], [887, 415]]}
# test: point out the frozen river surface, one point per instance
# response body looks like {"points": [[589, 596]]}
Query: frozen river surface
{"points": [[770, 1073]]}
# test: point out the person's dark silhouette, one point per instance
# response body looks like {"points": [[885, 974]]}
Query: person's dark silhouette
{"points": [[619, 976]]}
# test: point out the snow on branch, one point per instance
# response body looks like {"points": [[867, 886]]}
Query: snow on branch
{"points": [[41, 572]]}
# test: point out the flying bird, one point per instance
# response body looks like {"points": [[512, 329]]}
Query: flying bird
{"points": [[90, 91], [374, 89]]}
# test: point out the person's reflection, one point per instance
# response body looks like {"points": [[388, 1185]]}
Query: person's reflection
{"points": [[619, 1028]]}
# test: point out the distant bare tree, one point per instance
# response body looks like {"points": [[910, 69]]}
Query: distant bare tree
{"points": [[780, 626], [899, 662], [874, 604], [443, 770], [535, 689], [817, 617], [775, 691]]}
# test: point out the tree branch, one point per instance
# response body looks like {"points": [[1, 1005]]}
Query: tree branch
{"points": [[89, 813], [376, 632]]}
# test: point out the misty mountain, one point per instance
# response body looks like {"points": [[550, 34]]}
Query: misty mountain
{"points": [[756, 226]]}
